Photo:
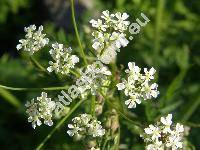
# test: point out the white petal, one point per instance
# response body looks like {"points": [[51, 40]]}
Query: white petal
{"points": [[120, 86]]}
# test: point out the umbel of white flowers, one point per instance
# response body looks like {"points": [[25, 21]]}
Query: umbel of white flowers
{"points": [[138, 86], [34, 40], [96, 76], [85, 125], [109, 35], [164, 135], [64, 61], [40, 109]]}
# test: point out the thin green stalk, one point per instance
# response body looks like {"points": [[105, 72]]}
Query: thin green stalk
{"points": [[10, 98], [37, 64], [75, 73], [59, 125], [93, 106], [118, 139], [159, 13], [33, 89], [76, 31]]}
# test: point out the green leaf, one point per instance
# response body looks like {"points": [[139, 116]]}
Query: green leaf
{"points": [[190, 108], [10, 98], [171, 107], [175, 85]]}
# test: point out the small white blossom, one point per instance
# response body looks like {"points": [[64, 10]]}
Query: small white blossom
{"points": [[34, 40], [167, 121], [153, 131], [149, 75], [138, 86], [132, 101], [63, 60], [85, 125], [121, 23], [164, 135], [40, 109]]}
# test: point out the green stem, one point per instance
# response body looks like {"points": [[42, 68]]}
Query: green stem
{"points": [[59, 125], [37, 64], [119, 112], [10, 98], [76, 31], [93, 106], [160, 8], [75, 73], [33, 89]]}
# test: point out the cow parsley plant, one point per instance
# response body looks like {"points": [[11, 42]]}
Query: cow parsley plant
{"points": [[97, 91]]}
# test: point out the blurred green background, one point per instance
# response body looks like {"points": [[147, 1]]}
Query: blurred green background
{"points": [[169, 42]]}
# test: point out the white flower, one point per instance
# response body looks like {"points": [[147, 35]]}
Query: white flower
{"points": [[98, 24], [149, 75], [167, 121], [132, 101], [150, 91], [95, 129], [73, 130], [40, 109], [137, 86], [85, 125], [107, 17], [64, 61], [179, 128], [121, 23], [120, 86], [120, 39], [34, 40], [133, 71], [153, 131]]}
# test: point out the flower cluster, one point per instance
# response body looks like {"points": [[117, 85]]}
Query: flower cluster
{"points": [[85, 125], [64, 61], [34, 40], [138, 86], [40, 109], [109, 35], [164, 135], [96, 75]]}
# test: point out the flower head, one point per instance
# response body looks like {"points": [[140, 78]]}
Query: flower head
{"points": [[164, 135], [95, 76], [41, 109], [85, 125], [138, 86], [34, 40], [63, 60], [109, 35]]}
